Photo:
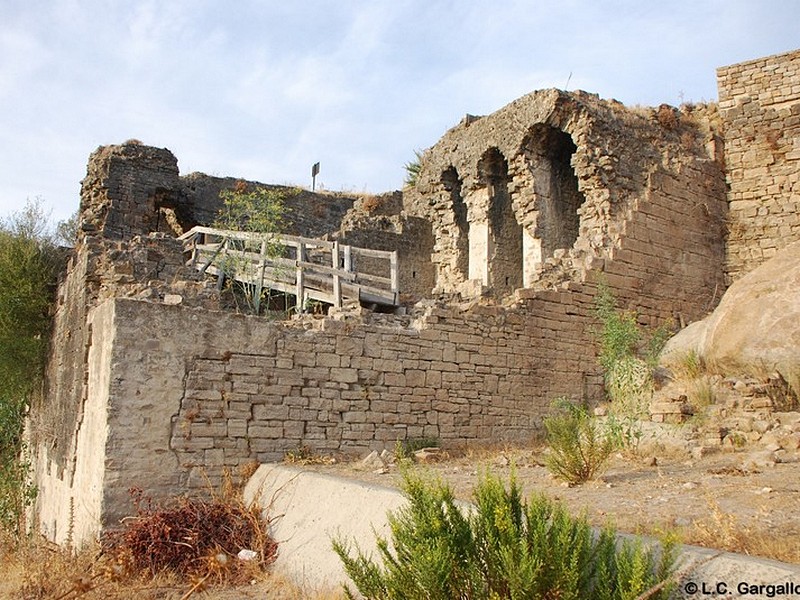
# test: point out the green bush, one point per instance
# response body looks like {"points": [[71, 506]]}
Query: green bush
{"points": [[506, 547], [619, 335], [627, 353], [579, 447], [405, 449]]}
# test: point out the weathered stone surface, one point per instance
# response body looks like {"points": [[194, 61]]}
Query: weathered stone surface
{"points": [[558, 184], [756, 327], [759, 101]]}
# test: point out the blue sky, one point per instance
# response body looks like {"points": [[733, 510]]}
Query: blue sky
{"points": [[262, 90]]}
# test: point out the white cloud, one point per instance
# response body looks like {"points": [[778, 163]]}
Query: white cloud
{"points": [[264, 89]]}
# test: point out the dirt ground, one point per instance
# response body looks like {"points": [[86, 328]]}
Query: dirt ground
{"points": [[743, 499], [737, 500]]}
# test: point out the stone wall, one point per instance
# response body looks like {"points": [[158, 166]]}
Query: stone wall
{"points": [[379, 222], [556, 185], [185, 393], [70, 469], [759, 103], [132, 189], [668, 261]]}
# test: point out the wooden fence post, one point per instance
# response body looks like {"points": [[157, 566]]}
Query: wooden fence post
{"points": [[337, 283], [259, 285], [299, 287], [395, 276]]}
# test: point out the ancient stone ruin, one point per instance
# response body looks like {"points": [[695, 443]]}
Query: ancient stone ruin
{"points": [[514, 220]]}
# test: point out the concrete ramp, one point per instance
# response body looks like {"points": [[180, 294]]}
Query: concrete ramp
{"points": [[309, 508]]}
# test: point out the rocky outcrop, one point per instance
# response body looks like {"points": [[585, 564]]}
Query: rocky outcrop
{"points": [[756, 327]]}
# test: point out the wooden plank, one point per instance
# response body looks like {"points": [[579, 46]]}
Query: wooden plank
{"points": [[286, 240], [372, 253], [348, 259], [395, 272], [374, 278]]}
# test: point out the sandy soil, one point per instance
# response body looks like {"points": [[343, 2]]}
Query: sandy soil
{"points": [[724, 500]]}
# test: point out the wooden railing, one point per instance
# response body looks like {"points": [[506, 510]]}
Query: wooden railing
{"points": [[309, 268]]}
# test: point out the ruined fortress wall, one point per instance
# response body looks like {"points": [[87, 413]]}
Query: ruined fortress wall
{"points": [[308, 214], [70, 479], [588, 185], [668, 261], [759, 102], [188, 392], [128, 187]]}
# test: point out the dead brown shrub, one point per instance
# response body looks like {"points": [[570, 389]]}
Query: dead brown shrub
{"points": [[667, 117], [193, 538], [370, 203]]}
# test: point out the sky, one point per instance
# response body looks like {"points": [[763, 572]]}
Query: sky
{"points": [[264, 89]]}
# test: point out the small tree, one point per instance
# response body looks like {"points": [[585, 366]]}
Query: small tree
{"points": [[258, 210], [67, 230], [29, 263]]}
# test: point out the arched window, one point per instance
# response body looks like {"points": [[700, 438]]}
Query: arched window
{"points": [[505, 233], [452, 184], [557, 197]]}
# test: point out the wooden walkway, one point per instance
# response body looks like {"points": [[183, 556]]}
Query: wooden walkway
{"points": [[309, 268]]}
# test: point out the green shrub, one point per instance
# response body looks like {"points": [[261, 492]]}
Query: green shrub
{"points": [[506, 547], [579, 447], [413, 169], [627, 354], [619, 335], [405, 449]]}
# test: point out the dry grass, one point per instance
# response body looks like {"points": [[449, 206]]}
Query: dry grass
{"points": [[723, 531], [702, 393], [37, 570], [172, 550]]}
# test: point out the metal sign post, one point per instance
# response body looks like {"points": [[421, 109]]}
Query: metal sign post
{"points": [[314, 172]]}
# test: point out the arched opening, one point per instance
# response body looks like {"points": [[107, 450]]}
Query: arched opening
{"points": [[505, 233], [549, 152], [452, 184]]}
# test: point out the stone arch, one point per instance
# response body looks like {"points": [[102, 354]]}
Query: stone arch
{"points": [[557, 197], [504, 248], [452, 184]]}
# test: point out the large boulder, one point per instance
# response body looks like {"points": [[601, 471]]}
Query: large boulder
{"points": [[756, 327]]}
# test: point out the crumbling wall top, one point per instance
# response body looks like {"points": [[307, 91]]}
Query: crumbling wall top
{"points": [[123, 186]]}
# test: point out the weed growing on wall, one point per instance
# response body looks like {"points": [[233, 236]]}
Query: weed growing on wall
{"points": [[413, 169], [627, 354], [507, 547], [28, 270]]}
